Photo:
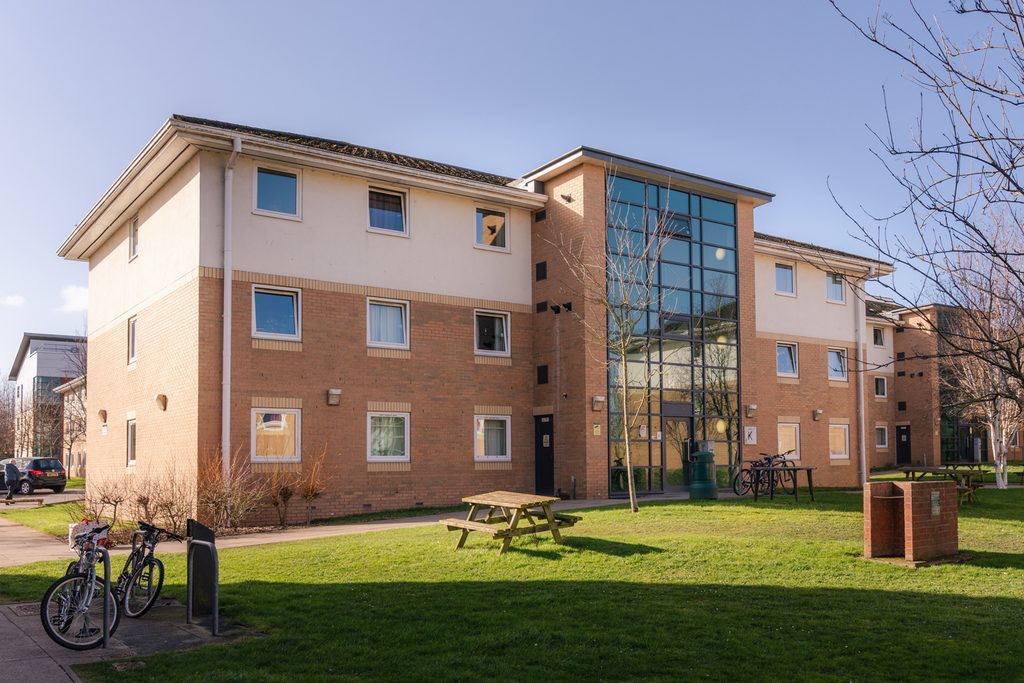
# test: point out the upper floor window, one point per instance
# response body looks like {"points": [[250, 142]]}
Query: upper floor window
{"points": [[834, 289], [133, 238], [878, 336], [276, 313], [785, 282], [492, 333], [837, 364], [387, 323], [276, 435], [277, 192], [387, 211], [490, 229], [785, 360], [133, 347]]}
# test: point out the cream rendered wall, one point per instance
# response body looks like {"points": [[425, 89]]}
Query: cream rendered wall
{"points": [[168, 253], [807, 314], [332, 243], [880, 358]]}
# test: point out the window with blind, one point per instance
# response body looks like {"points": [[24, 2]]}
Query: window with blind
{"points": [[387, 211]]}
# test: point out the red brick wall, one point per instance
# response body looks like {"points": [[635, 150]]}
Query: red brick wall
{"points": [[919, 389], [899, 519]]}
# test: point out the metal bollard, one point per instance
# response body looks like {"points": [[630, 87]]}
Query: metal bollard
{"points": [[215, 593], [107, 597]]}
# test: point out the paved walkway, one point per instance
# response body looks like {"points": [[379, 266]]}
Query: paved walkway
{"points": [[21, 545], [27, 654]]}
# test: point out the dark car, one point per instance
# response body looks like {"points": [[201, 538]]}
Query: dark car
{"points": [[37, 473]]}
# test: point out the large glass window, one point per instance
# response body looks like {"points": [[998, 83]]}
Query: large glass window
{"points": [[785, 360], [387, 323], [492, 437], [837, 364], [277, 191], [276, 435], [387, 437], [490, 229], [492, 333], [387, 211], [275, 313]]}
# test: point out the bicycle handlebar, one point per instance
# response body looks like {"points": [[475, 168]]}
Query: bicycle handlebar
{"points": [[149, 528]]}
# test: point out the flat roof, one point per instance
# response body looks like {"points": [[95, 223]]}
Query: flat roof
{"points": [[27, 340]]}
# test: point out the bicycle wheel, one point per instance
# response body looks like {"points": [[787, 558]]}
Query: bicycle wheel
{"points": [[786, 479], [72, 622], [143, 588]]}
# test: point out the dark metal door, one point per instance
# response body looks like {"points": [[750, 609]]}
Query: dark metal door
{"points": [[544, 454], [677, 442], [903, 445]]}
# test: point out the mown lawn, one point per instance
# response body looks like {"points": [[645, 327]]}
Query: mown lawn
{"points": [[53, 519], [682, 591]]}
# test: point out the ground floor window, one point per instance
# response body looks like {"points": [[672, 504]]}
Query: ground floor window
{"points": [[839, 442], [387, 437], [276, 435], [131, 442], [789, 440], [493, 437], [881, 437]]}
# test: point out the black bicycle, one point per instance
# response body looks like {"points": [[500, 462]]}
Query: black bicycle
{"points": [[744, 480], [142, 576]]}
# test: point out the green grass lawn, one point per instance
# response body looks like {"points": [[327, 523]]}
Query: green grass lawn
{"points": [[76, 482], [52, 519], [684, 590], [988, 475]]}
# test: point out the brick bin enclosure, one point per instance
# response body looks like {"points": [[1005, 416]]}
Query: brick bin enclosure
{"points": [[901, 519]]}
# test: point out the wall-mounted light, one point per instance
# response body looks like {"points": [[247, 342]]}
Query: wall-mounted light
{"points": [[567, 306], [567, 198], [751, 409], [556, 309], [334, 397], [161, 401], [817, 414], [597, 404], [102, 414]]}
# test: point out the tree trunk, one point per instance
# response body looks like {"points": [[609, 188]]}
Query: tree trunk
{"points": [[995, 426], [630, 483]]}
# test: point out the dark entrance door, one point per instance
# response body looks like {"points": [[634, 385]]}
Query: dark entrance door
{"points": [[544, 454], [903, 445], [677, 443]]}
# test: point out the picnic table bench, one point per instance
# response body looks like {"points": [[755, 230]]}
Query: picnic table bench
{"points": [[509, 515], [966, 487]]}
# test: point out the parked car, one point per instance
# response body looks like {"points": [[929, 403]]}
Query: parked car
{"points": [[37, 473]]}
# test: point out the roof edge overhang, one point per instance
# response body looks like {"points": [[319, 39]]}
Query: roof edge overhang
{"points": [[631, 166], [26, 340], [70, 386], [177, 141], [872, 268]]}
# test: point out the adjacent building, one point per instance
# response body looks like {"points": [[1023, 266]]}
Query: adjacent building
{"points": [[415, 324]]}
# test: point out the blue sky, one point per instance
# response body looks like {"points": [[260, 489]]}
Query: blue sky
{"points": [[771, 95]]}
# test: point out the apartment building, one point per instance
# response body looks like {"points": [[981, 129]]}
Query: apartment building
{"points": [[415, 324], [43, 362]]}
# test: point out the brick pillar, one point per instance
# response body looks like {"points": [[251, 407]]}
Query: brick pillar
{"points": [[883, 520], [931, 514]]}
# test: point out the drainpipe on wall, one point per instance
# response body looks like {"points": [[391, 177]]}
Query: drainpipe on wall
{"points": [[859, 323], [225, 372]]}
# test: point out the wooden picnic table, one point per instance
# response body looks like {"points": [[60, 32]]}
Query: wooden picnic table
{"points": [[965, 485], [969, 464], [771, 469], [510, 514]]}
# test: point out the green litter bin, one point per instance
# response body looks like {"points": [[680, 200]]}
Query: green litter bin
{"points": [[703, 483]]}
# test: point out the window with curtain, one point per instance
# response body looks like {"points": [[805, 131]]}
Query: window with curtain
{"points": [[387, 437], [834, 290], [881, 437], [839, 442], [492, 333], [789, 440], [387, 324], [784, 280], [276, 435], [492, 437], [387, 211]]}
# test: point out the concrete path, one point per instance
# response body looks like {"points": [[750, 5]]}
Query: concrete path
{"points": [[28, 655], [47, 497]]}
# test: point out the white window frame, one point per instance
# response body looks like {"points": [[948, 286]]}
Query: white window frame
{"points": [[133, 238], [508, 333], [508, 228], [828, 364], [792, 268], [796, 359], [369, 431], [481, 457], [133, 339], [297, 412], [290, 170], [846, 433], [885, 442], [405, 321], [1015, 439], [405, 211], [885, 387], [881, 331], [131, 443], [842, 299], [298, 312], [796, 426]]}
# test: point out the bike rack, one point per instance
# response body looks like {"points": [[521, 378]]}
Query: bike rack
{"points": [[214, 593], [107, 597]]}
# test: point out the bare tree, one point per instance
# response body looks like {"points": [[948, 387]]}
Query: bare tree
{"points": [[961, 172], [7, 418], [74, 402], [620, 286]]}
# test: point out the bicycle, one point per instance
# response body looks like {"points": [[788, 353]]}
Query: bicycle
{"points": [[743, 480], [142, 576], [71, 615]]}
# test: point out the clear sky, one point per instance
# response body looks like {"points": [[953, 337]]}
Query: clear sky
{"points": [[774, 95]]}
